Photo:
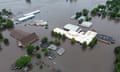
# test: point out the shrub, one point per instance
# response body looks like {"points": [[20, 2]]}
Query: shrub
{"points": [[6, 41], [46, 52], [88, 18], [41, 66], [23, 61], [57, 42], [9, 24], [37, 47], [38, 55], [30, 49], [84, 45], [93, 42], [80, 21], [73, 41], [85, 12], [78, 14], [44, 40], [1, 36], [94, 11], [104, 14], [64, 37], [117, 50]]}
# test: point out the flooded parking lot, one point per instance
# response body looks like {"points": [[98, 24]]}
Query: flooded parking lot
{"points": [[58, 13]]}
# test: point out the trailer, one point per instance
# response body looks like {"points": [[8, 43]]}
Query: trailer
{"points": [[25, 18], [34, 12]]}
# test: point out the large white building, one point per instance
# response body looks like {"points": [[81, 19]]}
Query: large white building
{"points": [[79, 37]]}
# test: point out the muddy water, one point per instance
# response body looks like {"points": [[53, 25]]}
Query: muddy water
{"points": [[58, 13]]}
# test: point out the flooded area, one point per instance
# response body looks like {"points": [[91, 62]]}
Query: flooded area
{"points": [[58, 13]]}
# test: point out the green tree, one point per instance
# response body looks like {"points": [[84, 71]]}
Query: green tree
{"points": [[0, 47], [108, 3], [59, 35], [80, 21], [30, 49], [9, 24], [118, 15], [23, 61], [85, 12], [57, 42], [52, 33], [84, 45], [78, 14], [101, 6], [1, 36], [112, 14], [64, 37], [117, 67], [94, 11], [37, 47], [93, 42], [44, 40], [38, 55], [4, 11], [117, 58], [88, 18], [104, 14], [46, 52], [73, 41], [117, 50], [6, 41]]}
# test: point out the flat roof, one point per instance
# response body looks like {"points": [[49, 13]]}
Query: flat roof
{"points": [[26, 17], [52, 47], [81, 17], [71, 27], [79, 37], [18, 34], [60, 51], [86, 24], [73, 17]]}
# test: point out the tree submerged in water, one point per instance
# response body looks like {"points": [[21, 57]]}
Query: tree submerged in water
{"points": [[110, 9], [23, 61]]}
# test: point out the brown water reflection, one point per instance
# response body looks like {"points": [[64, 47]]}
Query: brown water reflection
{"points": [[58, 13]]}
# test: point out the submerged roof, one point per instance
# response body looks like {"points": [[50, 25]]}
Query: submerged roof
{"points": [[86, 24], [60, 51], [29, 39], [24, 37], [71, 27], [18, 34], [52, 47]]}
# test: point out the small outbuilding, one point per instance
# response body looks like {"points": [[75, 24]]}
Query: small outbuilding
{"points": [[60, 51], [86, 24], [71, 27], [52, 47]]}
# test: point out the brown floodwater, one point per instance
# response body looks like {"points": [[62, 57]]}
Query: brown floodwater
{"points": [[58, 13]]}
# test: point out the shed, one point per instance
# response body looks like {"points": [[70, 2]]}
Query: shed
{"points": [[61, 51], [82, 17], [86, 24], [25, 18], [71, 27], [52, 47]]}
